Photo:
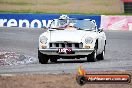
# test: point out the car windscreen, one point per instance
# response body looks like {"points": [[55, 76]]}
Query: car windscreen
{"points": [[78, 24], [84, 24]]}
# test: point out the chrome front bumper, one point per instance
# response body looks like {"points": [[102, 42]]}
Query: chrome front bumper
{"points": [[76, 52]]}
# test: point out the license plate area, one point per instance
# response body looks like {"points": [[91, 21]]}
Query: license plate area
{"points": [[65, 51]]}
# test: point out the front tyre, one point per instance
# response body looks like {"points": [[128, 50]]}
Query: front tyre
{"points": [[101, 56], [43, 59], [92, 57]]}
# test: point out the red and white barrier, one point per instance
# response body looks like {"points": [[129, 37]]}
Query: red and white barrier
{"points": [[116, 22]]}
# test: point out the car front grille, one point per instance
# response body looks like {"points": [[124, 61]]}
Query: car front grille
{"points": [[65, 45]]}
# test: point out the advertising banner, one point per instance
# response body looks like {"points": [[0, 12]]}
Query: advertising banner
{"points": [[38, 20], [116, 22]]}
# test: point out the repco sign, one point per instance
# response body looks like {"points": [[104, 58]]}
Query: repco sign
{"points": [[38, 20], [24, 23]]}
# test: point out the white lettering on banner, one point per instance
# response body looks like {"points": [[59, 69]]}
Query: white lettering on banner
{"points": [[24, 23], [12, 23], [2, 21], [35, 22], [48, 24]]}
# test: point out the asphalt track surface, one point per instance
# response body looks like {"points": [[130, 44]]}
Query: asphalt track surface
{"points": [[118, 54]]}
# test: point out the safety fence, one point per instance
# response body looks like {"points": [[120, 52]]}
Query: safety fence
{"points": [[127, 6], [107, 22]]}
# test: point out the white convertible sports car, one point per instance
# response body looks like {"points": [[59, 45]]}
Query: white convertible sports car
{"points": [[72, 38]]}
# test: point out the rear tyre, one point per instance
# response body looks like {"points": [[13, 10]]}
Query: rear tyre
{"points": [[43, 59]]}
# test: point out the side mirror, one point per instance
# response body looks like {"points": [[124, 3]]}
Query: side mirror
{"points": [[100, 29]]}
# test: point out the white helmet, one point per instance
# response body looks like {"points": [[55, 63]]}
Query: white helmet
{"points": [[63, 17]]}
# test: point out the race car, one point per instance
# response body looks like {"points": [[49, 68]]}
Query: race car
{"points": [[70, 38]]}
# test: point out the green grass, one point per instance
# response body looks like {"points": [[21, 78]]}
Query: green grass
{"points": [[14, 3], [20, 2], [44, 12], [104, 3], [36, 6]]}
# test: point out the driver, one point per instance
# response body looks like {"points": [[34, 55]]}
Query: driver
{"points": [[70, 26], [63, 21]]}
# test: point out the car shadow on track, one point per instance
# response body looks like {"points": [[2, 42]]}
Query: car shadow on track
{"points": [[72, 61], [81, 61]]}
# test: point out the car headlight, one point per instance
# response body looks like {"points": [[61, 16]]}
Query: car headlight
{"points": [[88, 40], [43, 39]]}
